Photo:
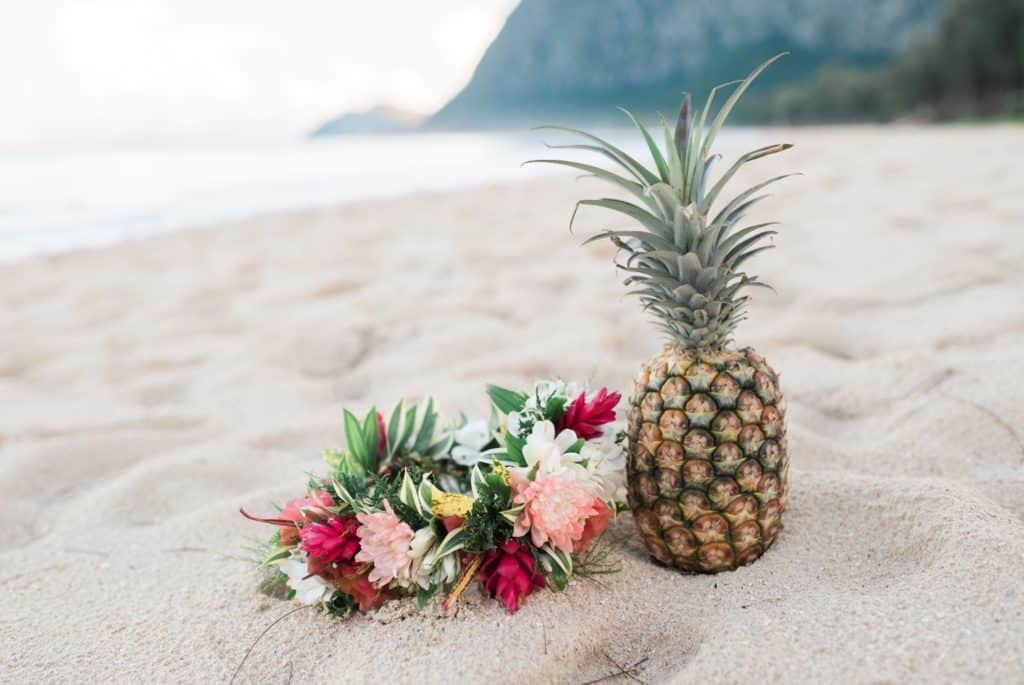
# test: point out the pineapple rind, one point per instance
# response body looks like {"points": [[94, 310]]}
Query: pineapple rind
{"points": [[707, 464]]}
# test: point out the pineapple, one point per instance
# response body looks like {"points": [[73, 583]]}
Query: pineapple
{"points": [[706, 423]]}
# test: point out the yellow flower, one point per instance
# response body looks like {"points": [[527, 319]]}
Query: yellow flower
{"points": [[502, 471], [446, 504]]}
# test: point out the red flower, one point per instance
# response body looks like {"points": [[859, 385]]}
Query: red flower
{"points": [[584, 417], [352, 580], [301, 511], [508, 573], [297, 513], [452, 522], [382, 436], [594, 526], [334, 540]]}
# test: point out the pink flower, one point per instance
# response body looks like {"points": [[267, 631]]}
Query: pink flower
{"points": [[385, 540], [584, 418], [314, 505], [334, 540], [556, 508], [508, 573]]}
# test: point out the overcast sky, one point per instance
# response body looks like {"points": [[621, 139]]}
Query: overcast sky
{"points": [[137, 70]]}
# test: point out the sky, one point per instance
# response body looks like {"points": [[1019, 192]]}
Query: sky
{"points": [[93, 71]]}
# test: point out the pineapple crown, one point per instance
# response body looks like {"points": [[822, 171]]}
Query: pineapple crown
{"points": [[683, 260]]}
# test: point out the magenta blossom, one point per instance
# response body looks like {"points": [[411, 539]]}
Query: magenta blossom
{"points": [[333, 540], [585, 418], [508, 572]]}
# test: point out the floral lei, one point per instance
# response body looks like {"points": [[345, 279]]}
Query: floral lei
{"points": [[414, 508]]}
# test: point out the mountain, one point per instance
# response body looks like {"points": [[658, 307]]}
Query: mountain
{"points": [[560, 59], [380, 119]]}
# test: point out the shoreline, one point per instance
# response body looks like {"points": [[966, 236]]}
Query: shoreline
{"points": [[173, 209]]}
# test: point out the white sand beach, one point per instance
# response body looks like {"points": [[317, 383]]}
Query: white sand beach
{"points": [[150, 389]]}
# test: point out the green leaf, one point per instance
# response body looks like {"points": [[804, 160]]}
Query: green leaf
{"points": [[334, 456], [628, 163], [442, 446], [514, 448], [640, 214], [693, 156], [407, 428], [629, 186], [649, 241], [409, 494], [371, 434], [723, 113], [576, 446], [659, 160], [739, 200], [559, 578], [512, 514], [355, 442], [423, 596], [453, 542], [562, 560], [394, 428], [277, 556], [477, 482], [346, 495], [667, 199], [675, 164], [426, 491], [555, 408], [497, 486], [426, 432], [506, 401], [709, 199]]}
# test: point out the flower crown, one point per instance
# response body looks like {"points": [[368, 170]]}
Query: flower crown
{"points": [[414, 508]]}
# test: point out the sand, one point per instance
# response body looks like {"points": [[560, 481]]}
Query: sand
{"points": [[152, 388]]}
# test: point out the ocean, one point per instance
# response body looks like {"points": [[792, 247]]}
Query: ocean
{"points": [[58, 199]]}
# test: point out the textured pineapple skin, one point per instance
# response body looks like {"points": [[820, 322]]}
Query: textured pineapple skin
{"points": [[707, 458]]}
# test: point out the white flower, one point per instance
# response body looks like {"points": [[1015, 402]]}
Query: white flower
{"points": [[308, 590], [470, 441], [427, 571], [422, 540], [547, 452], [545, 390], [535, 408], [606, 465]]}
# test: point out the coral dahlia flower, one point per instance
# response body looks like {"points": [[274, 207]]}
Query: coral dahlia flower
{"points": [[555, 508], [594, 526], [585, 418], [385, 541], [508, 573]]}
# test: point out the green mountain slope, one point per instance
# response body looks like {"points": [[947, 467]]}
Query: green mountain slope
{"points": [[579, 59]]}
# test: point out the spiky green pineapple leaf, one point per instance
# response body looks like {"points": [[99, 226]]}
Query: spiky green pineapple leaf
{"points": [[659, 159], [685, 266]]}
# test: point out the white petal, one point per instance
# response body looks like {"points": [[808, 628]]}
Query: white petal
{"points": [[565, 439], [465, 456], [475, 434], [543, 430]]}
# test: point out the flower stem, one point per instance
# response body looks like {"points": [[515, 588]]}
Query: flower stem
{"points": [[463, 583]]}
